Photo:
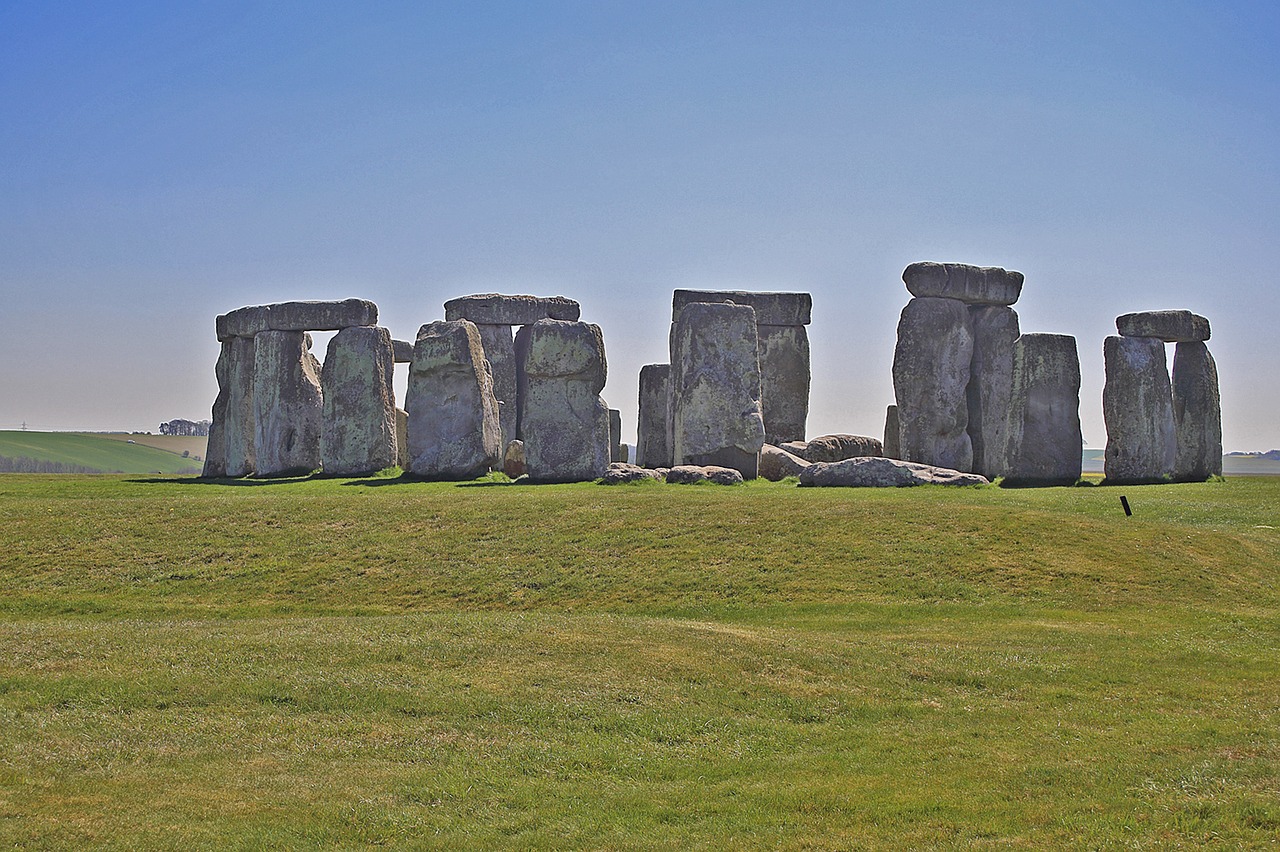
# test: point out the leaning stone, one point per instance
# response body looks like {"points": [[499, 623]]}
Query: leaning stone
{"points": [[615, 435], [776, 464], [359, 429], [1137, 407], [497, 309], [831, 448], [287, 404], [562, 419], [930, 380], [892, 447], [652, 449], [879, 472], [1044, 444], [453, 416], [513, 460], [500, 350], [402, 351], [995, 331], [715, 387], [784, 380], [621, 472], [1197, 413], [690, 474], [1169, 326], [973, 285]]}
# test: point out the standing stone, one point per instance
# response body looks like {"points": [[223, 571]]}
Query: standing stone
{"points": [[402, 437], [454, 431], [995, 331], [500, 350], [892, 447], [615, 436], [287, 404], [652, 448], [784, 381], [1197, 413], [931, 365], [238, 435], [359, 430], [715, 388], [1137, 406], [1045, 444], [215, 454], [562, 419]]}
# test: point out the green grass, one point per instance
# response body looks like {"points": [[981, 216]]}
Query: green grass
{"points": [[376, 662], [107, 454]]}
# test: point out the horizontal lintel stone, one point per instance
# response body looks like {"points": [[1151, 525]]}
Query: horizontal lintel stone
{"points": [[1169, 326], [297, 316], [770, 308], [497, 309], [973, 285]]}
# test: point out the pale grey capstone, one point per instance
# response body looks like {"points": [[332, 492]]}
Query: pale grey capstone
{"points": [[690, 474], [500, 350], [453, 416], [297, 316], [358, 434], [931, 363], [287, 404], [242, 322], [497, 309], [784, 380], [770, 308], [1137, 407], [1169, 326], [402, 439], [995, 332], [402, 351], [1197, 413], [880, 472], [892, 447], [238, 432], [615, 436], [715, 388], [830, 448], [513, 459], [620, 473], [973, 285], [777, 464], [1045, 443], [562, 419], [652, 447]]}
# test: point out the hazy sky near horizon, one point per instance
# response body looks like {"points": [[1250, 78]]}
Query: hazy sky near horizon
{"points": [[163, 163]]}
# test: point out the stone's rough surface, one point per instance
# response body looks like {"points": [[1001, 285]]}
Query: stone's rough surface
{"points": [[215, 454], [359, 426], [995, 331], [1169, 326], [500, 351], [784, 380], [402, 351], [287, 404], [652, 449], [453, 415], [892, 449], [973, 285], [513, 460], [831, 448], [497, 309], [715, 387], [777, 464], [402, 438], [1045, 443], [621, 472], [689, 474], [242, 322], [562, 419], [883, 473], [615, 436], [770, 308], [930, 380], [1197, 413], [297, 316], [1137, 406], [238, 434]]}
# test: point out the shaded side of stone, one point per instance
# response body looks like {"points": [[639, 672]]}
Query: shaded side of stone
{"points": [[500, 351], [931, 363], [973, 285], [359, 426], [784, 381], [652, 449], [995, 331], [1045, 442], [239, 432], [1137, 407], [1169, 326], [402, 438], [777, 464], [499, 309], [1197, 413], [892, 447], [215, 454], [287, 404], [770, 308]]}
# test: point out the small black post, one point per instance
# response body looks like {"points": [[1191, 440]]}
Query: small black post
{"points": [[1124, 501]]}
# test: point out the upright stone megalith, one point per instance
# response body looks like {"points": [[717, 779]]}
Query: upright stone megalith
{"points": [[931, 364], [359, 426], [1137, 407], [500, 351], [287, 404], [652, 448], [615, 436], [454, 431], [563, 422], [892, 432], [231, 433], [1197, 413], [1044, 438], [995, 332], [715, 388]]}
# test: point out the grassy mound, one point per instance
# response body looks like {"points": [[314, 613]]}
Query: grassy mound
{"points": [[114, 453]]}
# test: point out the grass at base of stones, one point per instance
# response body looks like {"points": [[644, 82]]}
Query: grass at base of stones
{"points": [[321, 662]]}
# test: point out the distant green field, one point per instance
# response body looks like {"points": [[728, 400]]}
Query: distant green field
{"points": [[99, 452]]}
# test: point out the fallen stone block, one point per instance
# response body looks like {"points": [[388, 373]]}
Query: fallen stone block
{"points": [[776, 464], [830, 448], [690, 474], [879, 472], [620, 473]]}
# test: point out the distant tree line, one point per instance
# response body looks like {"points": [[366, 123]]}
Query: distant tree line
{"points": [[188, 428], [22, 464]]}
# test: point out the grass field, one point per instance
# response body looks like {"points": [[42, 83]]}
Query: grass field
{"points": [[107, 452], [375, 662]]}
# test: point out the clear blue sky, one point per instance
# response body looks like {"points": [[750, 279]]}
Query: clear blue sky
{"points": [[161, 163]]}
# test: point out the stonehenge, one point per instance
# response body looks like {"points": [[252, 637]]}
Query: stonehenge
{"points": [[653, 449], [287, 404], [1044, 418], [358, 426]]}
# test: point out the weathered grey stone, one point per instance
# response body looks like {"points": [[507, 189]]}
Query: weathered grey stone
{"points": [[402, 351], [1137, 406], [513, 460], [879, 472], [770, 308], [297, 316], [715, 387], [995, 331], [1044, 441], [620, 473], [652, 448], [973, 285], [215, 454], [784, 380], [796, 448], [931, 365], [287, 404], [1169, 326], [500, 350], [892, 446], [242, 322], [453, 416], [690, 474], [777, 464], [830, 448], [615, 435], [402, 438], [238, 434], [359, 428], [1197, 413], [562, 419], [497, 309]]}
